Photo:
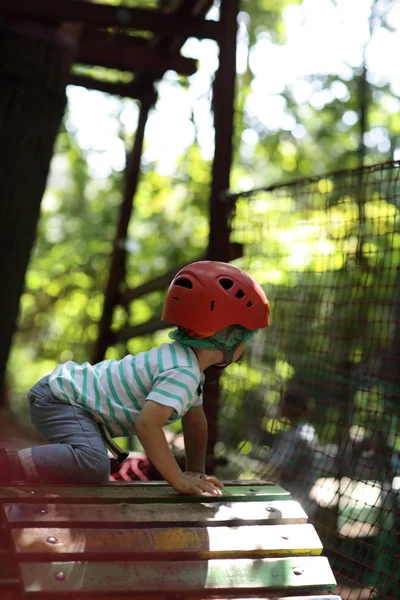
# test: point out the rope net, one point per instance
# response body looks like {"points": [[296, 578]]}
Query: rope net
{"points": [[315, 402]]}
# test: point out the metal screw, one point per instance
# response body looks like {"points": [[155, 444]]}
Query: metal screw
{"points": [[32, 492], [270, 509], [52, 540], [298, 571], [285, 537], [41, 511], [60, 576]]}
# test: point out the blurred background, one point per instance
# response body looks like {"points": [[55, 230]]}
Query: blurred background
{"points": [[315, 402]]}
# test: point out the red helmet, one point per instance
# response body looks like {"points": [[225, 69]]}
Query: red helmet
{"points": [[207, 296]]}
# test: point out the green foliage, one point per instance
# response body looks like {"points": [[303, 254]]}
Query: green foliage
{"points": [[62, 303], [293, 250]]}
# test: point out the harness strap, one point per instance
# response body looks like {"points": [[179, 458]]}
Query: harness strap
{"points": [[228, 354], [115, 450]]}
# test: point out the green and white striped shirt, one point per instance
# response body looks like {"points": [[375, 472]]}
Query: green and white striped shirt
{"points": [[115, 391]]}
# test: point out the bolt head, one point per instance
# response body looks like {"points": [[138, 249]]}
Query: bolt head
{"points": [[52, 540], [298, 571], [60, 576]]}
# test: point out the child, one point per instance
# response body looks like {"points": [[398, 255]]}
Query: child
{"points": [[79, 408]]}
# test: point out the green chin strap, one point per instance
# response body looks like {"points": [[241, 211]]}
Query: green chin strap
{"points": [[227, 340]]}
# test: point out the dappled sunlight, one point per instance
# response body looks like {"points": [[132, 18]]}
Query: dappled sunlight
{"points": [[321, 416], [49, 541], [358, 504]]}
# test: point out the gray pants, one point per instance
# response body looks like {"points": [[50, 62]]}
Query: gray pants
{"points": [[76, 452]]}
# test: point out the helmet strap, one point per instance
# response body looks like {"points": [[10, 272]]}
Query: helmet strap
{"points": [[228, 354]]}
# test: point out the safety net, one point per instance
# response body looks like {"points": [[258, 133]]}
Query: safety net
{"points": [[315, 402]]}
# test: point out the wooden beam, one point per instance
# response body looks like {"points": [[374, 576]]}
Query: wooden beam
{"points": [[126, 90], [151, 326], [165, 43], [105, 15], [194, 8], [155, 284], [125, 54]]}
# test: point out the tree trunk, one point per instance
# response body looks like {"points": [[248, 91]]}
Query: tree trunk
{"points": [[34, 64]]}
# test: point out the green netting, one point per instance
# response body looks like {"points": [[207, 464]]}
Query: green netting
{"points": [[315, 405]]}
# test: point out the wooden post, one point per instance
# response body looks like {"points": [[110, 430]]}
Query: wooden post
{"points": [[219, 247], [34, 67], [223, 105], [118, 258]]}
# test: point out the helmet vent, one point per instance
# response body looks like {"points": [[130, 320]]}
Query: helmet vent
{"points": [[226, 283], [249, 304], [240, 294], [184, 282]]}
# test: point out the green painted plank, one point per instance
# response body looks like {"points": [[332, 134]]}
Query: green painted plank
{"points": [[136, 494], [294, 574], [313, 597], [23, 514], [166, 542], [229, 482]]}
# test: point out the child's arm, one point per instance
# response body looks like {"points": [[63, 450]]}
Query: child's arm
{"points": [[195, 433], [149, 426]]}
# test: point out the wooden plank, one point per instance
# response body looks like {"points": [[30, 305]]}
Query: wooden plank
{"points": [[105, 15], [136, 493], [312, 597], [8, 567], [10, 590], [118, 596], [163, 483], [214, 513], [231, 483], [294, 574], [196, 596], [167, 543]]}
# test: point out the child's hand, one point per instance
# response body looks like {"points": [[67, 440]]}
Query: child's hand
{"points": [[210, 478], [187, 484]]}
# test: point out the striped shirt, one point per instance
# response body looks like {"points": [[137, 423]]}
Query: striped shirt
{"points": [[115, 391]]}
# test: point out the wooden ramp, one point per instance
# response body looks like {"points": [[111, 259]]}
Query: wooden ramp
{"points": [[143, 540]]}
